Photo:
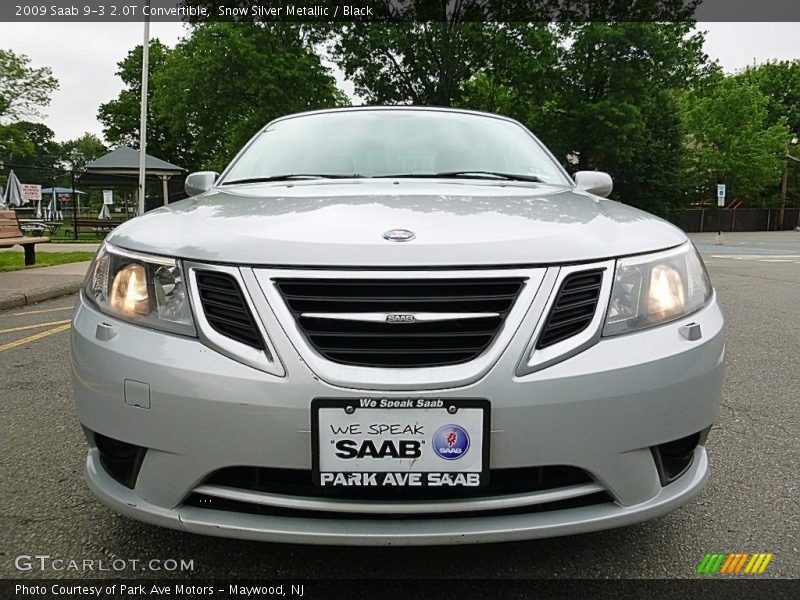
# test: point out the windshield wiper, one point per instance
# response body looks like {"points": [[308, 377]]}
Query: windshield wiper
{"points": [[290, 176], [470, 175]]}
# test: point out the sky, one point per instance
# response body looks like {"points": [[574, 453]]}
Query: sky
{"points": [[84, 57]]}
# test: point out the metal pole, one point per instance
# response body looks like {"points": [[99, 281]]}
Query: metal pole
{"points": [[784, 183], [74, 205], [143, 115]]}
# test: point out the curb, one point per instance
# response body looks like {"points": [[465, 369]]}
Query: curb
{"points": [[17, 299]]}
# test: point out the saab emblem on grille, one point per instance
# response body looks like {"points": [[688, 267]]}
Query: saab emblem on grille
{"points": [[399, 235], [400, 318]]}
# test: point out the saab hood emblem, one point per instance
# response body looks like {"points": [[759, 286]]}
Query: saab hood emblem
{"points": [[400, 318], [399, 235]]}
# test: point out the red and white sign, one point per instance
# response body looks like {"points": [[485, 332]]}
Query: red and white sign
{"points": [[31, 192]]}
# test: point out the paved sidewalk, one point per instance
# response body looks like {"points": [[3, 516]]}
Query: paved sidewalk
{"points": [[28, 286]]}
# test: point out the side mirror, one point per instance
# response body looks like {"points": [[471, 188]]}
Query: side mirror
{"points": [[594, 182], [202, 181]]}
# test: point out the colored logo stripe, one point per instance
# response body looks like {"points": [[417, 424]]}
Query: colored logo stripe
{"points": [[731, 564]]}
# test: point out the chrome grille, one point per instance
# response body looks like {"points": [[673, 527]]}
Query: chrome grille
{"points": [[400, 323]]}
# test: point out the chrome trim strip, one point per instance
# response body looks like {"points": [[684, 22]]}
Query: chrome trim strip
{"points": [[389, 507], [419, 317], [151, 258], [535, 359], [263, 361]]}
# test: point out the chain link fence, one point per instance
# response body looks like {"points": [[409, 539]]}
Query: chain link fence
{"points": [[738, 219]]}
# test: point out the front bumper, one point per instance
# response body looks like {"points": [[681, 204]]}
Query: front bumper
{"points": [[601, 410]]}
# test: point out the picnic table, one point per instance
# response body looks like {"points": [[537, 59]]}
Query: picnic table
{"points": [[39, 226], [101, 227]]}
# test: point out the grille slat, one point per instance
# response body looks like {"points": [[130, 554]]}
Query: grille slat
{"points": [[312, 326], [574, 307], [407, 345], [372, 298], [399, 306], [225, 308], [411, 335], [416, 343]]}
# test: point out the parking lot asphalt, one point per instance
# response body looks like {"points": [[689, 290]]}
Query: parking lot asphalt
{"points": [[750, 505]]}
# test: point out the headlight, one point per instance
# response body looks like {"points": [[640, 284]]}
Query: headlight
{"points": [[656, 288], [141, 288]]}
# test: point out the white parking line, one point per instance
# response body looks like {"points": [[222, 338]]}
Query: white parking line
{"points": [[781, 258]]}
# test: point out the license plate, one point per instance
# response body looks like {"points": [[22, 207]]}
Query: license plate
{"points": [[400, 443]]}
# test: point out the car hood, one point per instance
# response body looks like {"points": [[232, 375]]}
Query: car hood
{"points": [[341, 224]]}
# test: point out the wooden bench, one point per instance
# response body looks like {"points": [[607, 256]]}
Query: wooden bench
{"points": [[101, 227], [11, 235]]}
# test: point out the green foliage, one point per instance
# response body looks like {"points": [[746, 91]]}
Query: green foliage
{"points": [[26, 143], [522, 78], [780, 83], [599, 95], [413, 62], [24, 90], [731, 139], [226, 81], [612, 75], [213, 91], [120, 116], [76, 153]]}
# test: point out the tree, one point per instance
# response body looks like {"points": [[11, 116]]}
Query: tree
{"points": [[24, 90], [602, 93], [216, 88], [120, 117], [224, 82], [523, 75], [412, 62], [76, 153], [26, 143], [612, 73], [779, 81], [731, 139]]}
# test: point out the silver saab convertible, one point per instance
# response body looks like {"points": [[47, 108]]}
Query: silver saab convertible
{"points": [[396, 326]]}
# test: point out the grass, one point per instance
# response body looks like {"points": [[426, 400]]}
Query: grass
{"points": [[14, 261], [62, 238]]}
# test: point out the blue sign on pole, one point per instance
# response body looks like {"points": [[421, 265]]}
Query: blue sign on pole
{"points": [[720, 194]]}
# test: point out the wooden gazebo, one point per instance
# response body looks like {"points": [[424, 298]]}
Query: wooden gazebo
{"points": [[124, 162]]}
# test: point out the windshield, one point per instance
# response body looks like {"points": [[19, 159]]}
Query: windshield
{"points": [[386, 143]]}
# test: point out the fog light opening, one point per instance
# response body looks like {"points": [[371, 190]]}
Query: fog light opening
{"points": [[121, 460], [674, 458]]}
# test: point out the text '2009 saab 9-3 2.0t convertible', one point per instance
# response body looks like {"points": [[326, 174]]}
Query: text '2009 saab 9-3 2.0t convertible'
{"points": [[396, 326]]}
